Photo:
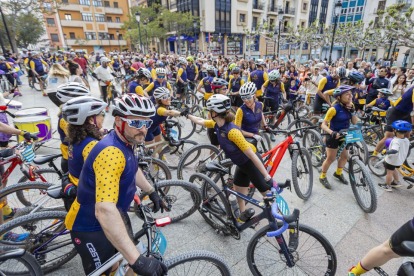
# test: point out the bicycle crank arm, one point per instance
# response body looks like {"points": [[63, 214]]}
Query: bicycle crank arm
{"points": [[380, 271]]}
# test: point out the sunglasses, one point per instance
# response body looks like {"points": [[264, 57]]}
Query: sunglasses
{"points": [[245, 98], [165, 97], [161, 77], [138, 124], [103, 113]]}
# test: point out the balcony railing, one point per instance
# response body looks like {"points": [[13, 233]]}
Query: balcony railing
{"points": [[289, 11], [258, 6], [173, 5], [272, 9]]}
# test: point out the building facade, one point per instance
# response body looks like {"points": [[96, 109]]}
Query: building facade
{"points": [[92, 25]]}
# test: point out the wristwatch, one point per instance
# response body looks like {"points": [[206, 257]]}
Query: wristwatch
{"points": [[268, 177]]}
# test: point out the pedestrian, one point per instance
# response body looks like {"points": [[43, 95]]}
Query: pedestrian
{"points": [[399, 87], [76, 73], [56, 77]]}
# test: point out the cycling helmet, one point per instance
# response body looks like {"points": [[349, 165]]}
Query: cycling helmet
{"points": [[161, 71], [218, 103], [385, 92], [190, 58], [133, 105], [77, 110], [274, 75], [247, 89], [211, 68], [160, 92], [340, 72], [231, 66], [143, 72], [236, 70], [355, 76], [35, 53], [105, 59], [320, 65], [260, 62], [60, 52], [2, 58], [126, 63], [401, 125], [218, 83], [150, 62], [70, 90], [342, 89], [115, 57], [160, 63], [73, 54], [182, 60], [323, 72]]}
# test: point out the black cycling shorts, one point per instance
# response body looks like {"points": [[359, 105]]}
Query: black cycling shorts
{"points": [[236, 100], [390, 167], [317, 105], [249, 173], [181, 88], [333, 143], [404, 233], [271, 105], [393, 115], [212, 135]]}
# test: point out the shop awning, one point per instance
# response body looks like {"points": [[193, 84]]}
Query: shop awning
{"points": [[183, 37]]}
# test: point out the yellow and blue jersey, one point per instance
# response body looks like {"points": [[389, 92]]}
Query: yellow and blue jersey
{"points": [[77, 155]]}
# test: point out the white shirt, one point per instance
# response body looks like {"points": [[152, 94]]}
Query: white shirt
{"points": [[53, 82], [313, 89], [402, 146], [103, 74]]}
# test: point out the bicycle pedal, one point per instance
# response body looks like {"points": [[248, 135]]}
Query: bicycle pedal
{"points": [[293, 241]]}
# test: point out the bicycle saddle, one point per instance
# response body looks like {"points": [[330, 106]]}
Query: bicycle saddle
{"points": [[7, 253], [54, 191], [409, 247], [43, 159], [216, 167], [373, 108]]}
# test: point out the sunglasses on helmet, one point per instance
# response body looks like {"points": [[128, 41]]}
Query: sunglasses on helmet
{"points": [[248, 97], [138, 124]]}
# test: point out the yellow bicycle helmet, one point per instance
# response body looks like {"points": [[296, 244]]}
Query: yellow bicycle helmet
{"points": [[190, 58]]}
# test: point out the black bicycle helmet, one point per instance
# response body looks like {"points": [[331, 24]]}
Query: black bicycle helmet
{"points": [[355, 77]]}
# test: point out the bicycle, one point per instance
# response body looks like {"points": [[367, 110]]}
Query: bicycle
{"points": [[373, 132], [183, 131], [112, 93], [14, 257], [272, 244], [407, 268]]}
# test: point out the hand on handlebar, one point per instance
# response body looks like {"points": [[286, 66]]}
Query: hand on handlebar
{"points": [[268, 129], [149, 267], [257, 137], [335, 135], [28, 136], [158, 203]]}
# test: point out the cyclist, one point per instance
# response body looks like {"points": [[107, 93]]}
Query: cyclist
{"points": [[116, 64], [6, 68], [104, 73], [66, 92], [259, 77], [160, 82], [234, 86], [206, 84], [36, 65], [387, 251], [129, 72], [192, 72], [250, 114], [181, 78], [98, 218], [337, 118], [249, 165], [382, 102], [355, 78], [137, 87], [151, 68], [229, 72], [84, 116], [162, 98]]}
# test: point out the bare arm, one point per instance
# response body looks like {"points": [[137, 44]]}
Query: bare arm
{"points": [[142, 182], [256, 161], [197, 120], [9, 130]]}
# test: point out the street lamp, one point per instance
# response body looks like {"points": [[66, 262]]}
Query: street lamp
{"points": [[279, 19], [138, 18], [146, 35], [130, 42], [338, 7], [117, 35], [109, 40], [66, 42], [100, 39]]}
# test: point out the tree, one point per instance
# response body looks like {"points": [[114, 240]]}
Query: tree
{"points": [[81, 41], [299, 36]]}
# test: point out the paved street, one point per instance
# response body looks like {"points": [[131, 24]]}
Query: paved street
{"points": [[334, 213]]}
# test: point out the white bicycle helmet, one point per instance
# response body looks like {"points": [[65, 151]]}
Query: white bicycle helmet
{"points": [[247, 89], [218, 83], [182, 60], [133, 105], [211, 68], [71, 90], [218, 103], [320, 65], [274, 75], [160, 92], [144, 72], [341, 72], [77, 110], [161, 71], [260, 62]]}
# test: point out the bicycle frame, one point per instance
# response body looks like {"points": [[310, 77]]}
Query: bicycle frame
{"points": [[277, 153]]}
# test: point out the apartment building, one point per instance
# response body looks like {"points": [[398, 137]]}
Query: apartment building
{"points": [[93, 25]]}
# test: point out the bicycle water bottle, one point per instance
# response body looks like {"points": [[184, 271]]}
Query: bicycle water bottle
{"points": [[234, 206], [269, 167], [123, 268]]}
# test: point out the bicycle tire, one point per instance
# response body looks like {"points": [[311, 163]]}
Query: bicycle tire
{"points": [[155, 166], [299, 171], [167, 156], [371, 136], [193, 155], [185, 132], [222, 209], [53, 178], [36, 84], [303, 112], [171, 197], [375, 167], [27, 222], [217, 265], [362, 153], [28, 261], [366, 184], [264, 145], [313, 142], [191, 99], [197, 111], [328, 256], [298, 124]]}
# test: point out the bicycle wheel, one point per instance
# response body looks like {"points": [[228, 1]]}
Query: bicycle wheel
{"points": [[186, 129], [313, 142], [198, 263], [195, 160], [191, 99], [197, 111], [30, 194], [36, 84], [313, 256], [303, 112], [42, 228], [360, 149], [264, 145], [371, 136], [48, 174], [302, 173], [284, 122], [376, 165], [213, 210], [297, 124], [157, 170], [362, 186], [172, 155], [19, 265], [182, 197]]}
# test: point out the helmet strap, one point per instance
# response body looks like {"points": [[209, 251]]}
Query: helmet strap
{"points": [[122, 131]]}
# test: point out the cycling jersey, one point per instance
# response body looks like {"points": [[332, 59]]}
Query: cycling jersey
{"points": [[63, 132], [358, 96], [381, 103], [405, 102], [183, 74], [231, 141], [130, 71], [116, 64], [37, 65], [157, 119], [249, 120], [228, 75], [327, 83], [191, 71], [235, 84], [258, 77], [154, 85], [5, 67], [77, 154], [338, 117], [153, 73], [274, 91], [134, 87], [206, 83], [108, 175]]}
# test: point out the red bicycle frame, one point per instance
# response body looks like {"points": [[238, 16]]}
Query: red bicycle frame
{"points": [[14, 162], [276, 154]]}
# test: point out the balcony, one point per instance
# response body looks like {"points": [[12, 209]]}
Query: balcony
{"points": [[173, 5], [110, 10], [290, 12], [72, 23], [71, 7], [258, 6], [115, 25], [95, 42]]}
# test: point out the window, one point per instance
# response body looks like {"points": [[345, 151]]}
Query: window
{"points": [[99, 17], [103, 36], [68, 16], [90, 35], [254, 23], [72, 36], [108, 19], [47, 7], [97, 3], [242, 18], [115, 4], [111, 36], [84, 2], [87, 17], [302, 24], [117, 19], [305, 6], [120, 37], [50, 22], [54, 37], [106, 4], [65, 1], [271, 24]]}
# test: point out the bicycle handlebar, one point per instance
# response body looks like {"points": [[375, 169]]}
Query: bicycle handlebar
{"points": [[290, 131]]}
